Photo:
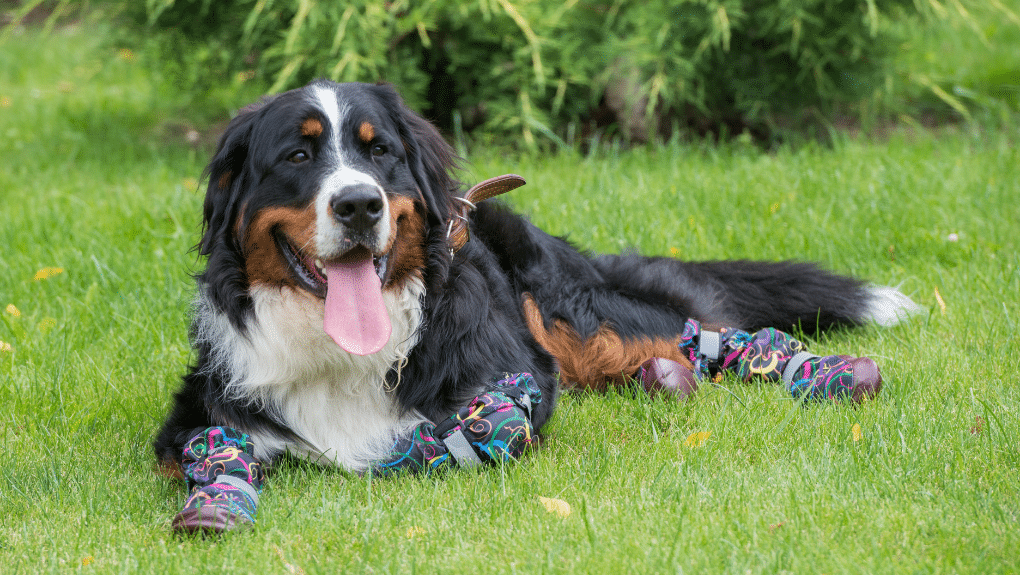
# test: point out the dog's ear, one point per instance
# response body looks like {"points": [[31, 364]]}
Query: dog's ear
{"points": [[431, 159], [228, 173]]}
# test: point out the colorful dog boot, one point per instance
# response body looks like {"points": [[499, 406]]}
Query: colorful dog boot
{"points": [[494, 427], [777, 356], [224, 479]]}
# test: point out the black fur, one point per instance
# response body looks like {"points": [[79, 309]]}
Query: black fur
{"points": [[473, 325]]}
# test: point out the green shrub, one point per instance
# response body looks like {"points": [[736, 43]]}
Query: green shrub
{"points": [[553, 69]]}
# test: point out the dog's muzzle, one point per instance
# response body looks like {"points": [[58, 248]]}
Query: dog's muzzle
{"points": [[358, 208]]}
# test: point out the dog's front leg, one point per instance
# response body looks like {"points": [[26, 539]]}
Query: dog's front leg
{"points": [[494, 427], [224, 480]]}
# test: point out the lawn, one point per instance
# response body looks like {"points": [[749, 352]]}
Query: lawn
{"points": [[99, 205]]}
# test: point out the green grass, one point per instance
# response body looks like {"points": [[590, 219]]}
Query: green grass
{"points": [[90, 183], [961, 57]]}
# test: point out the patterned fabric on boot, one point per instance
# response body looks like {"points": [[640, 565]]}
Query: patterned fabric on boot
{"points": [[777, 356], [494, 427], [224, 479]]}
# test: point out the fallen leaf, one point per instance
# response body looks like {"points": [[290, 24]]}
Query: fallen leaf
{"points": [[939, 300], [4, 346], [980, 421], [697, 439], [87, 560], [47, 273], [13, 310], [558, 506], [414, 531], [856, 432]]}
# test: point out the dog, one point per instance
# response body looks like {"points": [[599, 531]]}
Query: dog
{"points": [[338, 309]]}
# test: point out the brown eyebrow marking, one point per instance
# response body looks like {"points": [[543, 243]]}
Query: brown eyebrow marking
{"points": [[311, 127], [366, 132]]}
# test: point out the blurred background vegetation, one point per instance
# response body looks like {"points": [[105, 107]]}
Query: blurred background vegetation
{"points": [[564, 73]]}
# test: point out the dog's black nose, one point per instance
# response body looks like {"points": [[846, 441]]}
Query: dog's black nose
{"points": [[358, 207]]}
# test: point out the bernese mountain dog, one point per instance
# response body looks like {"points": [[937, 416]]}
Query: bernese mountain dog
{"points": [[337, 311]]}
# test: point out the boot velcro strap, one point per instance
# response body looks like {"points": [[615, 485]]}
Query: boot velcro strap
{"points": [[794, 364], [525, 402], [241, 484], [461, 450], [710, 345]]}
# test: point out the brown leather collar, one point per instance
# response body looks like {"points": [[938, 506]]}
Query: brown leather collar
{"points": [[457, 232]]}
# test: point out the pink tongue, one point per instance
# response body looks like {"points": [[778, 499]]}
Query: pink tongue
{"points": [[355, 317]]}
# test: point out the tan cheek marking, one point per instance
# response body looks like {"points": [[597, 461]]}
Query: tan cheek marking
{"points": [[407, 241], [366, 132], [311, 127], [603, 358], [169, 469], [263, 261]]}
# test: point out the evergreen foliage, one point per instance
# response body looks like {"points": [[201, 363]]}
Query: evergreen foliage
{"points": [[554, 69]]}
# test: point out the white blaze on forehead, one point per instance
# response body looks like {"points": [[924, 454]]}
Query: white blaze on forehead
{"points": [[331, 108], [329, 233]]}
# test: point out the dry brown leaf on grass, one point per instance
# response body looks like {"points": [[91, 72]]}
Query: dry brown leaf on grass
{"points": [[979, 425]]}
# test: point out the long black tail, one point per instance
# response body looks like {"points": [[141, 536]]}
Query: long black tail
{"points": [[746, 294]]}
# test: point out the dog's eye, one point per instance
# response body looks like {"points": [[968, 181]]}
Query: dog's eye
{"points": [[379, 150], [298, 157]]}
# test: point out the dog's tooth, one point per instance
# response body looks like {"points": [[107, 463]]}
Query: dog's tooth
{"points": [[319, 264]]}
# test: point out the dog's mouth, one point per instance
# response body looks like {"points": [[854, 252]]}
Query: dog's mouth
{"points": [[310, 272], [355, 315]]}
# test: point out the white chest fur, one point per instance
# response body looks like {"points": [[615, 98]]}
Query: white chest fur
{"points": [[337, 403]]}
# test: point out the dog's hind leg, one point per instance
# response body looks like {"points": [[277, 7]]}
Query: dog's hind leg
{"points": [[773, 355]]}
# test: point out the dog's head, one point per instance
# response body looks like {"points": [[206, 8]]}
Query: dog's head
{"points": [[334, 189]]}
